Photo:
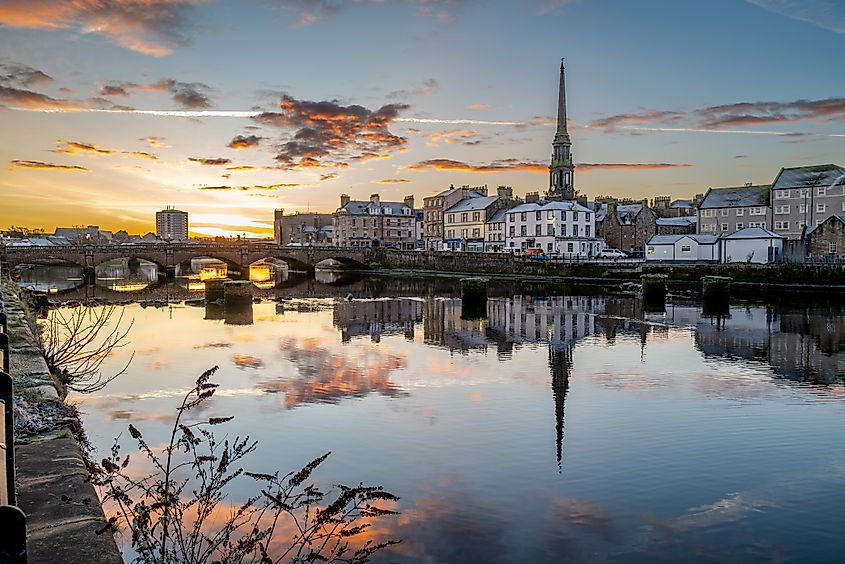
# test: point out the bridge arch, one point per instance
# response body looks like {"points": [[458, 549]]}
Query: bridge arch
{"points": [[103, 259], [346, 262], [293, 263]]}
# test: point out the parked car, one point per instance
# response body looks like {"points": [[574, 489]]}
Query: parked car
{"points": [[533, 252], [612, 253]]}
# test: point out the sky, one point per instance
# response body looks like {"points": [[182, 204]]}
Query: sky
{"points": [[114, 109]]}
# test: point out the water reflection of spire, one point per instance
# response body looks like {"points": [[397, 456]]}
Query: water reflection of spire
{"points": [[560, 365]]}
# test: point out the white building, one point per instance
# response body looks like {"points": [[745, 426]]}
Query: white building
{"points": [[172, 224], [682, 248], [752, 244], [564, 228]]}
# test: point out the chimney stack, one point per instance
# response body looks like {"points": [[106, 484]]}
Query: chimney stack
{"points": [[374, 199], [344, 200], [504, 192], [409, 201]]}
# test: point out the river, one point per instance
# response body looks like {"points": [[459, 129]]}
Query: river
{"points": [[566, 425]]}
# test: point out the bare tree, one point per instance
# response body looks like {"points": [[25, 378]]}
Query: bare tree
{"points": [[173, 513], [76, 341]]}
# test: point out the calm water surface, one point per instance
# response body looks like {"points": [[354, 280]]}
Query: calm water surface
{"points": [[560, 428]]}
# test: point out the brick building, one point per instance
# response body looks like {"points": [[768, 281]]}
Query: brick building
{"points": [[826, 239], [374, 223], [302, 228], [626, 227], [435, 206]]}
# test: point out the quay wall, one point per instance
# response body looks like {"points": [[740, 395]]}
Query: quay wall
{"points": [[63, 512]]}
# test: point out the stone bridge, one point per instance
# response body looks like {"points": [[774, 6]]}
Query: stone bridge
{"points": [[168, 255]]}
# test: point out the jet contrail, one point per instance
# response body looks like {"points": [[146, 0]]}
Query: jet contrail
{"points": [[245, 114]]}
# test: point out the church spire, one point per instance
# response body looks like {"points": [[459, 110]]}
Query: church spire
{"points": [[561, 169], [561, 135]]}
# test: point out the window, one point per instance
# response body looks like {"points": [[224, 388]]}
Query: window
{"points": [[523, 216], [708, 227], [551, 229], [802, 208], [550, 215], [781, 225], [538, 215], [740, 211], [820, 208], [821, 191], [587, 231], [476, 216], [512, 231], [537, 230], [724, 227], [476, 233], [757, 211], [739, 226], [725, 213], [831, 247], [706, 213], [758, 224], [451, 234], [523, 230], [781, 194], [569, 247], [781, 210], [686, 249], [463, 233], [451, 218], [574, 216], [800, 224], [464, 217], [549, 247]]}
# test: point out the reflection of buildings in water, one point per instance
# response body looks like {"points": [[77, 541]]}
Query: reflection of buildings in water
{"points": [[267, 275], [443, 326], [327, 276], [126, 275], [375, 318], [49, 278], [800, 344]]}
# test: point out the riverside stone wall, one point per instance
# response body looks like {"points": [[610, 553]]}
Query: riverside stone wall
{"points": [[62, 509]]}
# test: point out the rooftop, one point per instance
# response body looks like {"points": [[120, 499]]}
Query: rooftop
{"points": [[473, 204], [753, 233], [736, 197], [684, 221], [810, 176], [672, 239]]}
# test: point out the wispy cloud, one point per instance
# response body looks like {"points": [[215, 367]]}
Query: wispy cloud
{"points": [[189, 95], [16, 83], [140, 155], [478, 106], [39, 165], [213, 161], [155, 142], [449, 136], [429, 86], [251, 187], [75, 147], [587, 167], [504, 165], [826, 14], [151, 27], [392, 181]]}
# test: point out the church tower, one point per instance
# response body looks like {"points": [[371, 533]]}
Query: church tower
{"points": [[562, 171]]}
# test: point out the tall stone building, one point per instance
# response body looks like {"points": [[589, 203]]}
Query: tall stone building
{"points": [[374, 223], [806, 196], [434, 208], [303, 228], [172, 224], [561, 169], [626, 227]]}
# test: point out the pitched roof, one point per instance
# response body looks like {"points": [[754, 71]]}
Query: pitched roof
{"points": [[473, 204], [831, 218], [682, 204], [810, 176], [684, 221], [701, 239], [498, 217], [564, 205], [362, 207], [753, 233], [626, 214], [736, 197]]}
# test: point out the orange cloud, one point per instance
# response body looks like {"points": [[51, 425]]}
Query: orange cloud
{"points": [[39, 165], [140, 155], [75, 147], [240, 167], [151, 27], [154, 142], [244, 142], [392, 181], [478, 106], [505, 165], [587, 167], [215, 161]]}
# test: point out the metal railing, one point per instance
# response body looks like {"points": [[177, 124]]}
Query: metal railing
{"points": [[12, 519]]}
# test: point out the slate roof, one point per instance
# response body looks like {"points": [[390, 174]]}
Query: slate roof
{"points": [[682, 204], [473, 204], [831, 218], [672, 239], [565, 205], [498, 217], [626, 214], [736, 197], [753, 233], [685, 221], [362, 207], [810, 176]]}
